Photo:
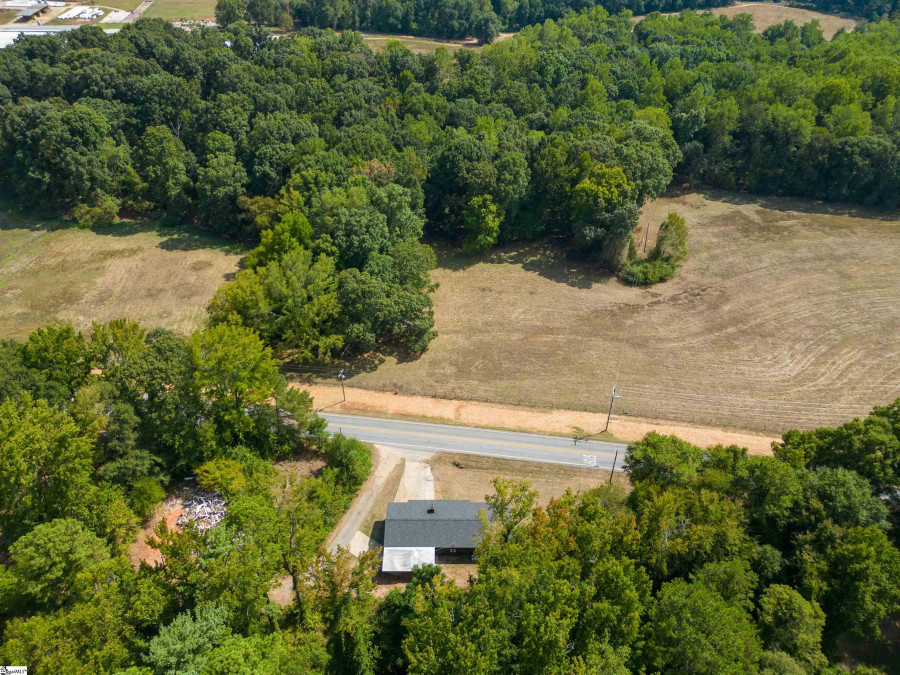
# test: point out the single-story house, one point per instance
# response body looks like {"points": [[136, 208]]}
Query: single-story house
{"points": [[416, 532]]}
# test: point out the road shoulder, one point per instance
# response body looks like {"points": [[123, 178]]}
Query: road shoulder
{"points": [[521, 418]]}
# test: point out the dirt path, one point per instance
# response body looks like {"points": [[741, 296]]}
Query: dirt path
{"points": [[384, 460], [521, 418]]}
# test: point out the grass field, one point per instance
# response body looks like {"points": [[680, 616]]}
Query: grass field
{"points": [[419, 45], [786, 313], [471, 477], [181, 10], [7, 15], [50, 273], [767, 14]]}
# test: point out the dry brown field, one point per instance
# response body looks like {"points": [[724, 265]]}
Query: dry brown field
{"points": [[767, 14], [53, 273], [420, 45], [786, 314]]}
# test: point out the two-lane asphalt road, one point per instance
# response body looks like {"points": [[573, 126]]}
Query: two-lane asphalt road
{"points": [[477, 441]]}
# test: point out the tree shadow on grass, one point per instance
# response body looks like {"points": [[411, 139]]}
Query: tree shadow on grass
{"points": [[790, 204], [175, 237], [547, 258]]}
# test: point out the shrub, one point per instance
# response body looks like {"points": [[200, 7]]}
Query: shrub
{"points": [[350, 460], [145, 494], [646, 272], [222, 475], [103, 213]]}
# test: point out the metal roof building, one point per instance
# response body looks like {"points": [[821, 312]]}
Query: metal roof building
{"points": [[30, 12], [415, 531]]}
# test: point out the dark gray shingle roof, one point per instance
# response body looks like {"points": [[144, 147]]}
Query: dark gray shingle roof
{"points": [[452, 524]]}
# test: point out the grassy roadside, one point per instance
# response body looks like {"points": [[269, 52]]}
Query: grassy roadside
{"points": [[604, 436], [458, 476], [384, 497]]}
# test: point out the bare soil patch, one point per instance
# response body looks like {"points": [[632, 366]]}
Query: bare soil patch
{"points": [[471, 477], [50, 273], [786, 314], [140, 551]]}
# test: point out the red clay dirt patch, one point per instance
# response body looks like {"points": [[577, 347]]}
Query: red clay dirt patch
{"points": [[140, 551]]}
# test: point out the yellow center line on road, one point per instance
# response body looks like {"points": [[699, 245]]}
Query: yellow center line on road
{"points": [[469, 440]]}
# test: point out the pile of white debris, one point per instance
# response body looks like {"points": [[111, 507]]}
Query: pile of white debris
{"points": [[204, 508]]}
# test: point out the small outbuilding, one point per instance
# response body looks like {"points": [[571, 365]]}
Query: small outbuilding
{"points": [[31, 12], [420, 531]]}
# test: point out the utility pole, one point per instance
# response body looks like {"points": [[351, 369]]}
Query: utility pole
{"points": [[342, 377], [612, 401], [646, 237], [613, 470]]}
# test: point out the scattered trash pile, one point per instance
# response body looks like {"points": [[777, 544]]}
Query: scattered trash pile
{"points": [[202, 507]]}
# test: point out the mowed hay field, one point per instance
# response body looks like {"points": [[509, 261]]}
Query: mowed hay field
{"points": [[786, 314], [419, 45], [181, 10], [767, 14], [158, 276]]}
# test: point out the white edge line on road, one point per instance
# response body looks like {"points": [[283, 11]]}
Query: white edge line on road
{"points": [[478, 441], [466, 426], [486, 454]]}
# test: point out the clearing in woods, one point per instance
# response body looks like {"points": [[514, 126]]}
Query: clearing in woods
{"points": [[51, 272], [419, 45], [767, 14], [786, 314]]}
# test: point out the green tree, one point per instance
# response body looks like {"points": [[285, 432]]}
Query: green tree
{"points": [[292, 302], [114, 344], [844, 497], [864, 583], [230, 11], [350, 459], [791, 624], [89, 637], [870, 447], [184, 644], [261, 12], [60, 353], [47, 560], [771, 489], [682, 529], [237, 376], [663, 460], [220, 181], [162, 161], [690, 628], [481, 223], [671, 239], [45, 464], [343, 595]]}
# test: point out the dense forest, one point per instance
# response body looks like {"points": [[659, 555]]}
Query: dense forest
{"points": [[92, 433], [713, 562], [337, 160], [485, 19]]}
